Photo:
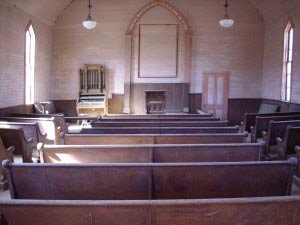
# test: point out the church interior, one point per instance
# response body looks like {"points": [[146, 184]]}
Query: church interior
{"points": [[134, 112]]}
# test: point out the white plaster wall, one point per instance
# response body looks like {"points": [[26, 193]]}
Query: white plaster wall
{"points": [[273, 57], [12, 44], [238, 50]]}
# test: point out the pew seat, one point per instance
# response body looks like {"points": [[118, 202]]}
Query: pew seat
{"points": [[150, 181], [151, 153]]}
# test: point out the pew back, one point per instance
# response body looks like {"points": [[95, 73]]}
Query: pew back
{"points": [[290, 141], [150, 181], [262, 124], [31, 130], [161, 124], [160, 130], [47, 125], [115, 139], [151, 153], [245, 211], [59, 118], [5, 153], [250, 118], [277, 129]]}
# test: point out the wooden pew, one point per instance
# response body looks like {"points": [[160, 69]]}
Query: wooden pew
{"points": [[243, 211], [161, 130], [150, 181], [171, 119], [262, 125], [277, 129], [17, 139], [115, 139], [250, 118], [47, 125], [59, 119], [151, 153], [155, 116], [5, 153], [286, 146], [161, 124], [31, 130]]}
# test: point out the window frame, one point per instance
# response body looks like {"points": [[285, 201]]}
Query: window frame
{"points": [[29, 29], [288, 56]]}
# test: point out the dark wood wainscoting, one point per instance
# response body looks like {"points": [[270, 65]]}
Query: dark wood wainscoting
{"points": [[16, 109]]}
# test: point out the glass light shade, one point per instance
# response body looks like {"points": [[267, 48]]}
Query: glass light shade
{"points": [[226, 22], [89, 24]]}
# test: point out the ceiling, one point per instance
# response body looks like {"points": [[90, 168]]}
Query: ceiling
{"points": [[45, 10], [49, 10]]}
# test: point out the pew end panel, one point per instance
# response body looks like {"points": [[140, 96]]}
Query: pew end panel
{"points": [[5, 153]]}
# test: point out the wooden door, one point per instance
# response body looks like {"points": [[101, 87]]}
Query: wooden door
{"points": [[215, 94]]}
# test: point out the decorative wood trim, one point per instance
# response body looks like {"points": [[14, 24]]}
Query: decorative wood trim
{"points": [[165, 5]]}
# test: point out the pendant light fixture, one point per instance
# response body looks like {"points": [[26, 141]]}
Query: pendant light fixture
{"points": [[89, 23], [226, 22]]}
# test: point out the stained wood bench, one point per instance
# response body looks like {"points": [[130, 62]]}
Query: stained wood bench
{"points": [[250, 118], [161, 130], [151, 153], [150, 181], [47, 125], [277, 129], [5, 153], [262, 125], [114, 139], [286, 146], [16, 138], [161, 124], [243, 211], [157, 116]]}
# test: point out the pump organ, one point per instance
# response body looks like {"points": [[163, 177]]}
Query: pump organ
{"points": [[93, 99]]}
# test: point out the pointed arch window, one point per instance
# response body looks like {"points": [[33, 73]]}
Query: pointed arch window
{"points": [[29, 63], [288, 61]]}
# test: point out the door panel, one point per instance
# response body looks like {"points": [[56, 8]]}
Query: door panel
{"points": [[215, 94]]}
